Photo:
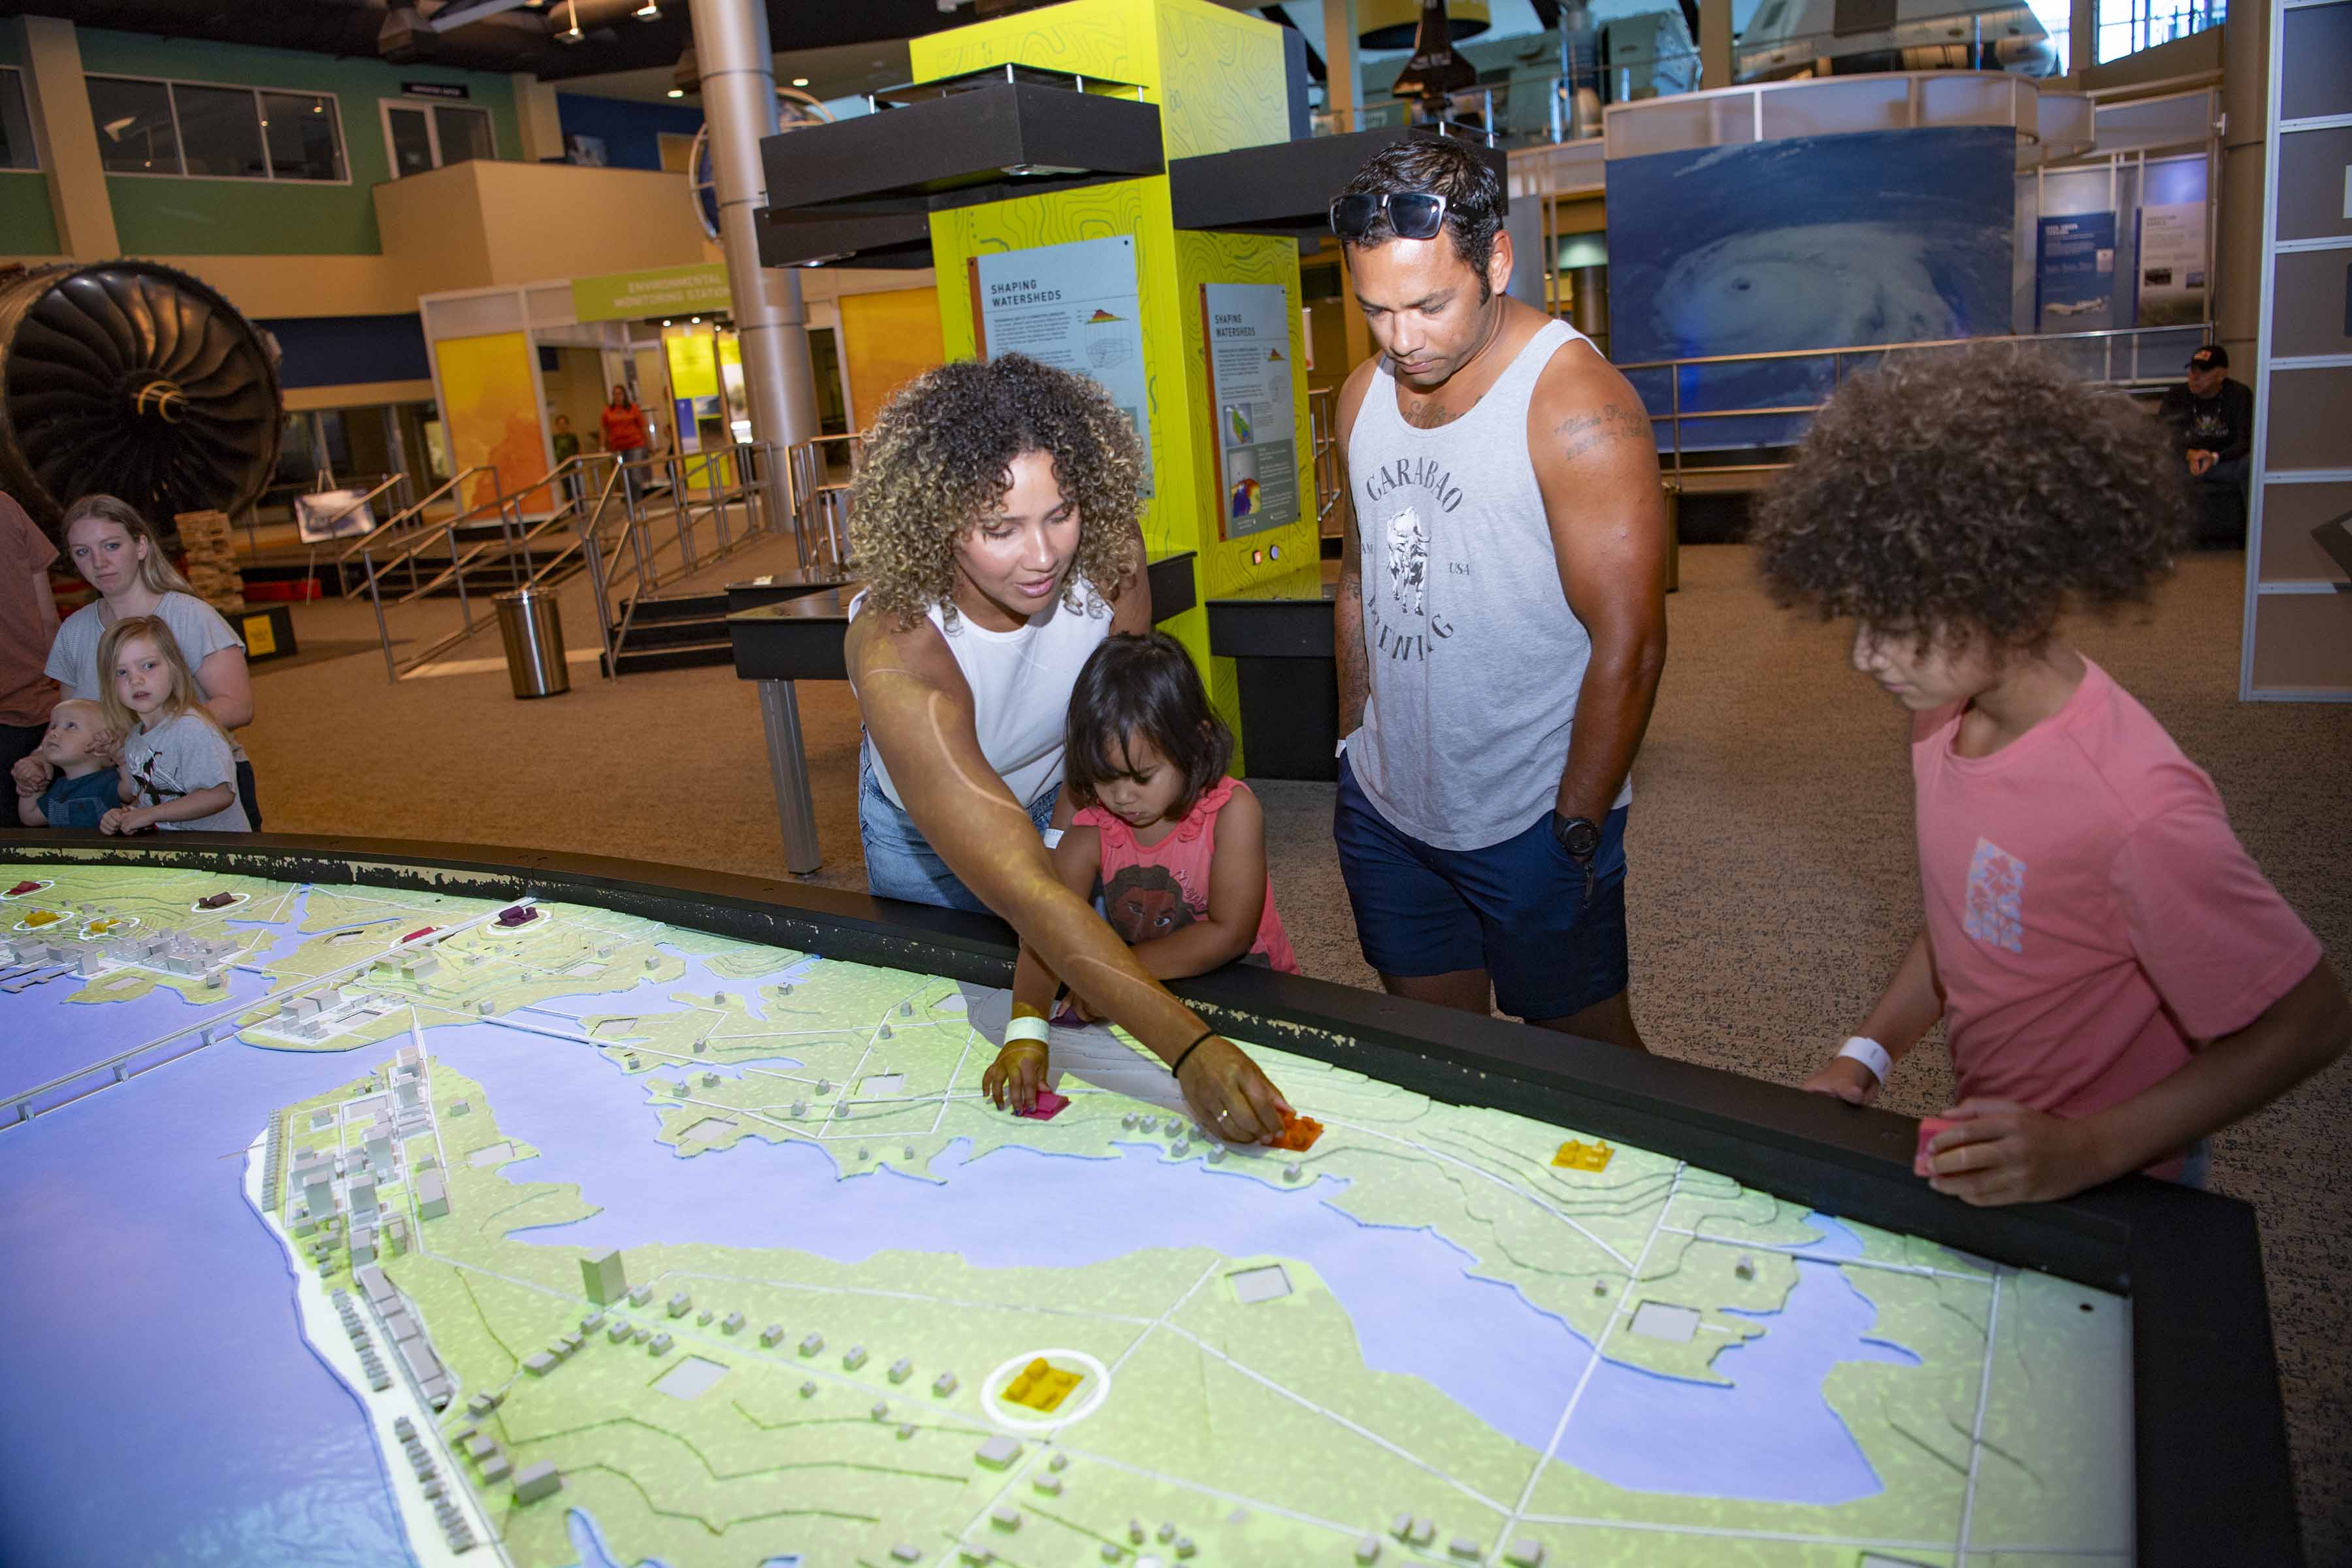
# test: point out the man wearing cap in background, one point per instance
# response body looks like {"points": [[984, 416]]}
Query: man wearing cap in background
{"points": [[2212, 420]]}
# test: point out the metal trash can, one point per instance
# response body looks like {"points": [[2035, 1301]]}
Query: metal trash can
{"points": [[530, 623], [1674, 492]]}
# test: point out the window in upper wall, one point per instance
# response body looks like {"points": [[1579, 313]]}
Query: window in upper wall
{"points": [[16, 127], [208, 132], [301, 129], [220, 131], [136, 131], [424, 136]]}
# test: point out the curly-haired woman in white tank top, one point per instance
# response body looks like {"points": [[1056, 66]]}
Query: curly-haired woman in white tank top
{"points": [[994, 526]]}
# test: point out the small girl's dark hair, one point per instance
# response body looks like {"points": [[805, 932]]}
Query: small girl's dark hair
{"points": [[1143, 685]]}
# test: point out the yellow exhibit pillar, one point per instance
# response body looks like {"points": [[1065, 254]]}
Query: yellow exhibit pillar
{"points": [[1217, 78]]}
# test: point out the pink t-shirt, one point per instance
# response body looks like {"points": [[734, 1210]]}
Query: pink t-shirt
{"points": [[2091, 912], [1151, 890]]}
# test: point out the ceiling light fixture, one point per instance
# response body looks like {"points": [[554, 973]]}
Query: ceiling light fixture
{"points": [[648, 12], [800, 81], [572, 34], [676, 92]]}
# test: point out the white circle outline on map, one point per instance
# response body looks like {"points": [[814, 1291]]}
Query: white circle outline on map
{"points": [[39, 888], [1004, 1414]]}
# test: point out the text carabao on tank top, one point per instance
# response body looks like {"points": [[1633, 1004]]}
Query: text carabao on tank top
{"points": [[1475, 656]]}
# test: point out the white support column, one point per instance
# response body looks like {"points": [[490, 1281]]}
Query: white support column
{"points": [[66, 140], [738, 104]]}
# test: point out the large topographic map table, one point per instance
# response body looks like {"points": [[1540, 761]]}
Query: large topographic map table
{"points": [[438, 1227]]}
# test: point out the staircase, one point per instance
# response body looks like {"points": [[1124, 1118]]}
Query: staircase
{"points": [[677, 631]]}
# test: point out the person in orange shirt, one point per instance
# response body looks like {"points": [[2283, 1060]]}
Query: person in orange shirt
{"points": [[625, 435]]}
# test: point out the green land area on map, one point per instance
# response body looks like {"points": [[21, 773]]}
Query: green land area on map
{"points": [[1222, 1393]]}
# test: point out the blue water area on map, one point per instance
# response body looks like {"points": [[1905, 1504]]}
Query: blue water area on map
{"points": [[187, 1422]]}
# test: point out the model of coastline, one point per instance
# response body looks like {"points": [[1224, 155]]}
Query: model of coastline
{"points": [[323, 1332]]}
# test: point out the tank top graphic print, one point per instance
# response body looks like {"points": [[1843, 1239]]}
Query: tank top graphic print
{"points": [[1474, 657], [1151, 890]]}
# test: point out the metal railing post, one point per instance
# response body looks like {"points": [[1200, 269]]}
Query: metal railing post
{"points": [[457, 570], [383, 631]]}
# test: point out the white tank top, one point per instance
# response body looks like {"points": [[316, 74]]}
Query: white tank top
{"points": [[1021, 682], [1475, 658]]}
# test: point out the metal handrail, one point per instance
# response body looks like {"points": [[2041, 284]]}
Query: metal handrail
{"points": [[1323, 438], [1676, 415], [366, 543], [815, 537]]}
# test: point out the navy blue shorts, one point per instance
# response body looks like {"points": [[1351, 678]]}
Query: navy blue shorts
{"points": [[1517, 909]]}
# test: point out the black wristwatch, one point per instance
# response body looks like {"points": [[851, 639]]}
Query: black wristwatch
{"points": [[1582, 838]]}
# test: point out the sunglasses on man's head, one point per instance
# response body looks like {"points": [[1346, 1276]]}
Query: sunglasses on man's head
{"points": [[1413, 215]]}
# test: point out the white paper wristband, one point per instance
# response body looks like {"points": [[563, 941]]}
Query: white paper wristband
{"points": [[1027, 1029], [1870, 1054]]}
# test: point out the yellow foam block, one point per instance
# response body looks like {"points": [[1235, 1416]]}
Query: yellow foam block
{"points": [[1041, 1386]]}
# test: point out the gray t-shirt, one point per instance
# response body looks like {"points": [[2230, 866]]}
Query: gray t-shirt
{"points": [[197, 626], [179, 756]]}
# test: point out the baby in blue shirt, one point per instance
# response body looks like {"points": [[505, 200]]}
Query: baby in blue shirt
{"points": [[82, 749]]}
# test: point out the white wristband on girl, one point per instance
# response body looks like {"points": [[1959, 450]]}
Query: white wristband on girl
{"points": [[1028, 1029], [1870, 1054]]}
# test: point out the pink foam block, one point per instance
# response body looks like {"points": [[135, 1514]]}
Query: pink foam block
{"points": [[1049, 1105], [1928, 1126]]}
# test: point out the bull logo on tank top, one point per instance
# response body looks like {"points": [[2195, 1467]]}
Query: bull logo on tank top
{"points": [[1398, 623]]}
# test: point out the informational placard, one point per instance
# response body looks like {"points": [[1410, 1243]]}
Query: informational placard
{"points": [[2172, 264], [2074, 277], [1074, 306], [321, 515], [1252, 396]]}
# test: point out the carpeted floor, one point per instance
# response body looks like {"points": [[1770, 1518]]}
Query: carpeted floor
{"points": [[1772, 886]]}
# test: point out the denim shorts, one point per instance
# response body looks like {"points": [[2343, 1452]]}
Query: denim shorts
{"points": [[1518, 910], [900, 863]]}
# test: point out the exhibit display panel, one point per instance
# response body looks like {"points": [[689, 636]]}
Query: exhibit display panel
{"points": [[585, 1212]]}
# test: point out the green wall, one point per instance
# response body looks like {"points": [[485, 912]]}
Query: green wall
{"points": [[27, 226], [162, 215]]}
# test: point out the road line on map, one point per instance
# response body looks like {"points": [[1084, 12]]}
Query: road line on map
{"points": [[1366, 1433], [1260, 1504], [1535, 1198], [1584, 1378], [1976, 1434], [1803, 1255], [1127, 1318]]}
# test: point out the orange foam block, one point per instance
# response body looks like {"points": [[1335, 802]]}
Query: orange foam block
{"points": [[1298, 1132], [1928, 1126]]}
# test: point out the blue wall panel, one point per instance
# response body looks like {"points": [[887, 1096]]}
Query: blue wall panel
{"points": [[630, 131], [337, 351]]}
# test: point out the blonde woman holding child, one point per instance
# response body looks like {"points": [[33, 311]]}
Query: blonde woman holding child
{"points": [[118, 553]]}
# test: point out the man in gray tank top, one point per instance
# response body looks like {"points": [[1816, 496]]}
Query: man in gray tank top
{"points": [[1501, 615]]}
